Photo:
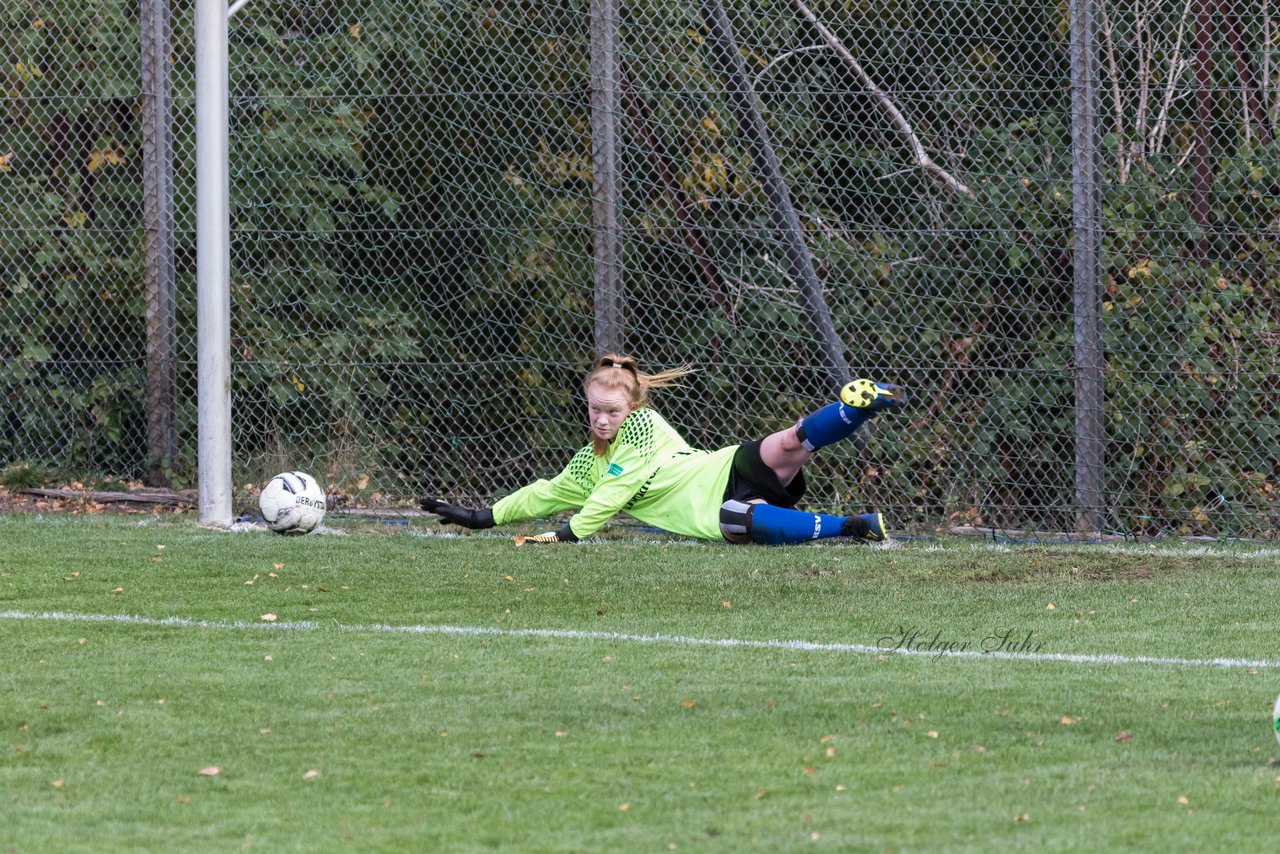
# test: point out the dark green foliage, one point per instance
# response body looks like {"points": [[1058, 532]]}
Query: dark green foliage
{"points": [[70, 297]]}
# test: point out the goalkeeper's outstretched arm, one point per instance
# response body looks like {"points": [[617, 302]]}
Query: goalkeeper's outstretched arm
{"points": [[538, 499], [451, 514]]}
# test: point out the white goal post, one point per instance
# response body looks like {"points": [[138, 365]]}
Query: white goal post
{"points": [[213, 265]]}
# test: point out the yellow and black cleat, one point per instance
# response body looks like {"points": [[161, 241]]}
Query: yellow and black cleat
{"points": [[866, 394]]}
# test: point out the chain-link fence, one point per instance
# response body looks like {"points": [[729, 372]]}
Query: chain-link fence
{"points": [[1058, 227]]}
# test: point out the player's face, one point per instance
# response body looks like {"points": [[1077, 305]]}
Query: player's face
{"points": [[606, 410]]}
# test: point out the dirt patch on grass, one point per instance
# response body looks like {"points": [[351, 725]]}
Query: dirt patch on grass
{"points": [[1015, 568]]}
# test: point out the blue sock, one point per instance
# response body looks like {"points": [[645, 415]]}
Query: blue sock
{"points": [[780, 526], [830, 424]]}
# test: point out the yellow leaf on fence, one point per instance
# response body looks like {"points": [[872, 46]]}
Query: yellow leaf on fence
{"points": [[104, 157]]}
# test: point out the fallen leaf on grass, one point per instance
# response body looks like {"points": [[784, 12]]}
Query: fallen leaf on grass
{"points": [[211, 771], [1124, 735], [311, 774], [268, 618]]}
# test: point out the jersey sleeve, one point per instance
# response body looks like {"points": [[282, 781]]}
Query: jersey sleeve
{"points": [[566, 491]]}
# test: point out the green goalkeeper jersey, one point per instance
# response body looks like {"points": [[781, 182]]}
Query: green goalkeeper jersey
{"points": [[649, 471]]}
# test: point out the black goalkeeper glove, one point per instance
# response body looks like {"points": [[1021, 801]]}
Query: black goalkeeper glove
{"points": [[564, 535], [451, 514]]}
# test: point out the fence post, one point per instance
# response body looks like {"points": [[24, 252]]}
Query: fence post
{"points": [[158, 274], [606, 232], [213, 265], [1086, 209], [783, 219]]}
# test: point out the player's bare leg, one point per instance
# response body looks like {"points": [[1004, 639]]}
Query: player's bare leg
{"points": [[787, 451]]}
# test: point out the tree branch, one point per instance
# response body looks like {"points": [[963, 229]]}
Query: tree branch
{"points": [[900, 121], [1108, 41], [1177, 66]]}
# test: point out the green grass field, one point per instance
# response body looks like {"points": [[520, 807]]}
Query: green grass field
{"points": [[379, 688]]}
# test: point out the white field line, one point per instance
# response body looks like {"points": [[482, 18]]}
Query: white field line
{"points": [[620, 637]]}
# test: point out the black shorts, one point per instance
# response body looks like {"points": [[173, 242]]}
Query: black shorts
{"points": [[750, 478]]}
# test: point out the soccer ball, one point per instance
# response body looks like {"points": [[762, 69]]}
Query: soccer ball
{"points": [[292, 503]]}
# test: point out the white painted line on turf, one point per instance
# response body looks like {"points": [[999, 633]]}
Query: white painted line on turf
{"points": [[622, 637]]}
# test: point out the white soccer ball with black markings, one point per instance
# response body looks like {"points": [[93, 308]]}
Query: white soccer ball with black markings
{"points": [[292, 503]]}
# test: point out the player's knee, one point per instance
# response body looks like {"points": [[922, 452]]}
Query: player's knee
{"points": [[735, 521], [791, 439]]}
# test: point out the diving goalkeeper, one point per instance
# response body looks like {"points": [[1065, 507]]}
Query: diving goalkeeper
{"points": [[639, 464]]}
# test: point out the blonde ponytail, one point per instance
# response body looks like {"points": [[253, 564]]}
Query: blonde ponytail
{"points": [[618, 371]]}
